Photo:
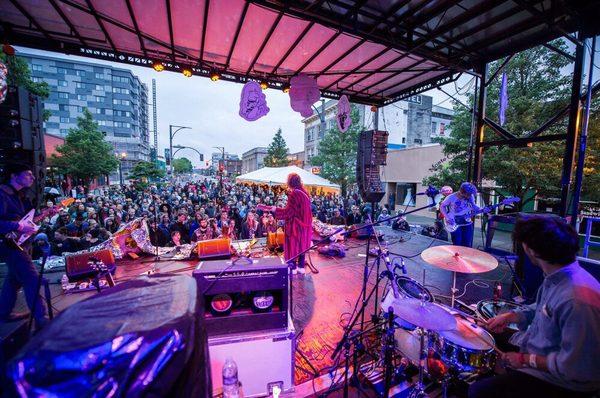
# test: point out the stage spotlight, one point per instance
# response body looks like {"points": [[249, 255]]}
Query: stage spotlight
{"points": [[214, 76], [373, 108], [264, 85], [8, 49], [158, 66], [187, 72], [286, 88]]}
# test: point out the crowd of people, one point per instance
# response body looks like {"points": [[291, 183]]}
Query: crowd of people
{"points": [[186, 212]]}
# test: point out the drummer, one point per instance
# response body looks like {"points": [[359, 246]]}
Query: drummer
{"points": [[557, 350]]}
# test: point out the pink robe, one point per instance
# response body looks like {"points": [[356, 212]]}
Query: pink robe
{"points": [[298, 223]]}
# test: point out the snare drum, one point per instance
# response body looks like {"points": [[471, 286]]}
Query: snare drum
{"points": [[487, 309], [469, 348]]}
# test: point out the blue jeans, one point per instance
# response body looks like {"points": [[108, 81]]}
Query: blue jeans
{"points": [[21, 273], [463, 236]]}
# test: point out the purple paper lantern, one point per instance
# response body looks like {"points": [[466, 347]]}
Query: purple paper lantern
{"points": [[304, 92], [253, 102], [343, 114]]}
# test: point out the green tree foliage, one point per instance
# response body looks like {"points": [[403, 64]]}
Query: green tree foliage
{"points": [[537, 89], [20, 75], [85, 153], [277, 151], [337, 153], [146, 170], [182, 165]]}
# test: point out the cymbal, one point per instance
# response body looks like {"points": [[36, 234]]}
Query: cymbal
{"points": [[459, 259], [423, 314]]}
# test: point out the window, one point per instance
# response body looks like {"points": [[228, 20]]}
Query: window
{"points": [[98, 75], [64, 131], [119, 90], [37, 79], [80, 85], [63, 107], [82, 97], [434, 128], [121, 102], [64, 119], [108, 112], [404, 140], [418, 141], [123, 124], [61, 71], [98, 111], [98, 98], [442, 128], [80, 109], [99, 87], [405, 194], [62, 83], [123, 113], [105, 123], [80, 72], [120, 79], [37, 67], [63, 95]]}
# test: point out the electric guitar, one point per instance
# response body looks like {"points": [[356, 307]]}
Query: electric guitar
{"points": [[453, 220], [17, 239]]}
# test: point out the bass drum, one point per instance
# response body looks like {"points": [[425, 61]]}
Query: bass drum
{"points": [[487, 309]]}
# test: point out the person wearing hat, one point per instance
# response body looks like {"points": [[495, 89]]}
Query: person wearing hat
{"points": [[337, 218], [21, 270]]}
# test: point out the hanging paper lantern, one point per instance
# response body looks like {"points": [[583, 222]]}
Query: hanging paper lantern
{"points": [[3, 82], [304, 92], [253, 102], [343, 114]]}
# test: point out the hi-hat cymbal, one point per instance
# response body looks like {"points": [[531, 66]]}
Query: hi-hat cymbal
{"points": [[459, 259], [423, 314]]}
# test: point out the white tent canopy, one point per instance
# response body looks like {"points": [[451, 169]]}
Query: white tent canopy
{"points": [[278, 176]]}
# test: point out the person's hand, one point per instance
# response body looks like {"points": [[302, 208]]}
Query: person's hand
{"points": [[26, 227], [498, 323], [513, 360]]}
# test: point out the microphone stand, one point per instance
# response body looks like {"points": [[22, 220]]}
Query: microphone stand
{"points": [[37, 293]]}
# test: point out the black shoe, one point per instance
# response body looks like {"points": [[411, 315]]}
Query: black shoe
{"points": [[15, 316]]}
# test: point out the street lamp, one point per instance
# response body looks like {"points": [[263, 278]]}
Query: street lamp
{"points": [[171, 135], [121, 157]]}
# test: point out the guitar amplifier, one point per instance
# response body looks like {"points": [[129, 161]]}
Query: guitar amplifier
{"points": [[214, 249], [77, 264], [243, 295]]}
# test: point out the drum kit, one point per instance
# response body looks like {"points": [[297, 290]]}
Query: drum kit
{"points": [[443, 342]]}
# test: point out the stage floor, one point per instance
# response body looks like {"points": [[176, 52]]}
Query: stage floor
{"points": [[323, 301]]}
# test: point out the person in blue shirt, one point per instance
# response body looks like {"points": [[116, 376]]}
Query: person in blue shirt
{"points": [[556, 353]]}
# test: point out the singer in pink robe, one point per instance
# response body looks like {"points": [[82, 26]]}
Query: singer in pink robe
{"points": [[298, 223]]}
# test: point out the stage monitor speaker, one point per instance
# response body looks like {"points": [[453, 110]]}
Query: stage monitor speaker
{"points": [[21, 121], [77, 267], [244, 295], [371, 153]]}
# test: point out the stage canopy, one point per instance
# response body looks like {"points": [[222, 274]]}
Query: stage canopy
{"points": [[374, 51], [278, 176]]}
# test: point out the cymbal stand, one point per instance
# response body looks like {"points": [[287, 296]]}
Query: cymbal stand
{"points": [[418, 390], [454, 290]]}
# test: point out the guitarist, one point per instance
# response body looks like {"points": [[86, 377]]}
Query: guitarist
{"points": [[461, 202], [21, 270]]}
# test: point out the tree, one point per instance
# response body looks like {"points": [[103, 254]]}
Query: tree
{"points": [[337, 153], [536, 89], [85, 153], [20, 75], [146, 170], [277, 151], [182, 165]]}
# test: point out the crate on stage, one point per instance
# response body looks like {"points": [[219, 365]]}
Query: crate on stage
{"points": [[243, 295], [264, 359]]}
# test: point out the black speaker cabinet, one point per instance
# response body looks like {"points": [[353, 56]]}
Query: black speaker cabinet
{"points": [[243, 295]]}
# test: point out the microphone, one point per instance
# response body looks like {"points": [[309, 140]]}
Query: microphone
{"points": [[431, 192]]}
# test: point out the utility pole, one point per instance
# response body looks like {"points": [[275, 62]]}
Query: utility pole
{"points": [[222, 149], [154, 121], [171, 135]]}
